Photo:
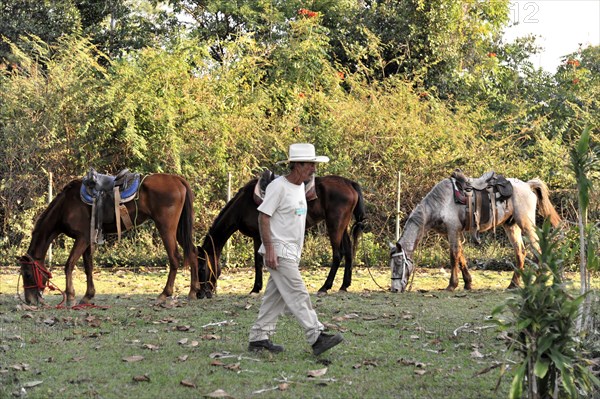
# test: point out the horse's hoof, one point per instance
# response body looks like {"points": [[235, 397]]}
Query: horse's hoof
{"points": [[84, 301], [468, 287], [193, 295], [321, 293], [450, 288], [162, 298], [253, 294]]}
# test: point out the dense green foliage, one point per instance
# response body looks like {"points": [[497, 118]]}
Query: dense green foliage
{"points": [[225, 89]]}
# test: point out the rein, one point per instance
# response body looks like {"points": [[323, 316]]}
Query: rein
{"points": [[369, 267]]}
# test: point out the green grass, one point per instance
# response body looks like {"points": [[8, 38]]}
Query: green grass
{"points": [[426, 343]]}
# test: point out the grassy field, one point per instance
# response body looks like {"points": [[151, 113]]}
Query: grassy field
{"points": [[426, 343]]}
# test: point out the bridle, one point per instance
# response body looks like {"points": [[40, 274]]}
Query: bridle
{"points": [[212, 268], [407, 267], [39, 272]]}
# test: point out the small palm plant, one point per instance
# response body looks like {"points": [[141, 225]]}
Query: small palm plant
{"points": [[542, 320]]}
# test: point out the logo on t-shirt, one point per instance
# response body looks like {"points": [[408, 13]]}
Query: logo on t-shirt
{"points": [[301, 210]]}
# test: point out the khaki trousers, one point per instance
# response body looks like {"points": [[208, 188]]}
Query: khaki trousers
{"points": [[285, 292]]}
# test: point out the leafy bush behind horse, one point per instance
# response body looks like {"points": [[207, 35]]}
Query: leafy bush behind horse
{"points": [[173, 111]]}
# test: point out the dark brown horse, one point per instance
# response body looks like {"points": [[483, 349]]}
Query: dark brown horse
{"points": [[337, 200], [166, 199]]}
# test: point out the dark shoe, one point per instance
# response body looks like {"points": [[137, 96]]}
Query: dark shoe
{"points": [[326, 342], [256, 346]]}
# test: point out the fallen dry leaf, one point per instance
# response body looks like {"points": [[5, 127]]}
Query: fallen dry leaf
{"points": [[420, 371], [183, 328], [141, 378], [219, 393], [283, 386], [476, 354], [167, 320], [183, 358], [209, 337], [20, 366], [370, 318], [317, 373], [233, 367], [32, 384], [188, 383], [134, 358], [151, 347]]}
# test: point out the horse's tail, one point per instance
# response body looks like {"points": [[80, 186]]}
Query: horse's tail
{"points": [[185, 227], [545, 207], [359, 216]]}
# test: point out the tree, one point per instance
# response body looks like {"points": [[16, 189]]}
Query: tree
{"points": [[118, 27], [45, 19]]}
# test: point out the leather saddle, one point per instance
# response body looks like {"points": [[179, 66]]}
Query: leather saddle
{"points": [[267, 177], [480, 196], [107, 195]]}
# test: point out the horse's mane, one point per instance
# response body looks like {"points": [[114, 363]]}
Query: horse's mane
{"points": [[231, 203], [433, 200], [51, 207]]}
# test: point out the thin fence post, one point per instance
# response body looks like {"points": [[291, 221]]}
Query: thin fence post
{"points": [[50, 200], [228, 199], [398, 209]]}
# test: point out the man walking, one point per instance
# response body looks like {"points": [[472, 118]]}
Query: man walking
{"points": [[282, 220]]}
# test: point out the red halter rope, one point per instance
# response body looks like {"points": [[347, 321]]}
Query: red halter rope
{"points": [[39, 272]]}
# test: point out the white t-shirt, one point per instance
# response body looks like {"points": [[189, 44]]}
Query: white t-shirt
{"points": [[285, 203]]}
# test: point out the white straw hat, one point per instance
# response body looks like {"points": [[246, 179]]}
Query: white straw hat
{"points": [[304, 152]]}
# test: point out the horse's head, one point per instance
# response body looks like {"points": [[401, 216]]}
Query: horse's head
{"points": [[35, 279], [401, 265], [209, 271]]}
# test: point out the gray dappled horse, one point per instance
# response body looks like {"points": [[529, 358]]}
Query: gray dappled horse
{"points": [[440, 212]]}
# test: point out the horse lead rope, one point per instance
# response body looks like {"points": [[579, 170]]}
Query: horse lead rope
{"points": [[366, 255], [38, 272]]}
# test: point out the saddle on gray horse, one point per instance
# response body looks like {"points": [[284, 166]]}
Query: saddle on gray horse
{"points": [[480, 196], [107, 195], [267, 177]]}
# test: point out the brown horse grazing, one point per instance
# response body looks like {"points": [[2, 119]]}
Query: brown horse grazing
{"points": [[440, 212], [166, 199], [337, 200]]}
